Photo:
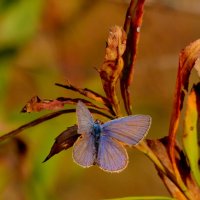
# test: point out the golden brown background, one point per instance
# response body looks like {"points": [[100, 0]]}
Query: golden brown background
{"points": [[48, 41]]}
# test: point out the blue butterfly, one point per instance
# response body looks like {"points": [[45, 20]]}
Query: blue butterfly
{"points": [[103, 144]]}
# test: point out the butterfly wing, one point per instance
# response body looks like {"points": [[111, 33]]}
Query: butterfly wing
{"points": [[84, 153], [85, 120], [112, 156], [129, 130]]}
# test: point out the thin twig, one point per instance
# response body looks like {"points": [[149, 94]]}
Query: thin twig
{"points": [[143, 147], [46, 118]]}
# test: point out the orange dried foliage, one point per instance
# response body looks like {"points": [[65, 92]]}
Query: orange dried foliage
{"points": [[187, 60], [159, 147], [132, 27], [113, 64], [37, 105]]}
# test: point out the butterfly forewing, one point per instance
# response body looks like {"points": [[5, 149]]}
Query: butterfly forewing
{"points": [[129, 130], [85, 120], [84, 152], [112, 156]]}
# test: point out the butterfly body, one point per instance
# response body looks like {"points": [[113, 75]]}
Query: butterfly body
{"points": [[96, 133], [103, 144]]}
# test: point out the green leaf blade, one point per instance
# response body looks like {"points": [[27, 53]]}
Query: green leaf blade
{"points": [[190, 136]]}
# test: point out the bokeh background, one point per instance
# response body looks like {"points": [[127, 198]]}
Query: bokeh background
{"points": [[48, 41]]}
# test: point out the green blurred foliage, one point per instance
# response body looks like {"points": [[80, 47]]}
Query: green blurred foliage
{"points": [[18, 22], [43, 42]]}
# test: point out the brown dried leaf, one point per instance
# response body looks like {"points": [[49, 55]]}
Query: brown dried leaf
{"points": [[160, 151], [193, 187], [172, 188], [176, 192], [64, 141], [113, 64], [37, 105], [187, 60], [132, 27], [160, 148]]}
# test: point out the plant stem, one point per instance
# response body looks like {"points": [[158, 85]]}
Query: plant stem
{"points": [[143, 147], [46, 118]]}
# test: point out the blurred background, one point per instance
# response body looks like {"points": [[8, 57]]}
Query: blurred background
{"points": [[48, 41]]}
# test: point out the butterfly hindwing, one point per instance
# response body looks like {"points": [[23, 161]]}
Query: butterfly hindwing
{"points": [[112, 156], [129, 130], [84, 153]]}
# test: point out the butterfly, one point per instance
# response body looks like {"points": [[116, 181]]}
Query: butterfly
{"points": [[103, 144]]}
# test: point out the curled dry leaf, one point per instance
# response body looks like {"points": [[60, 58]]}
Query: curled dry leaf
{"points": [[37, 105], [187, 60], [111, 69], [132, 25], [63, 141]]}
